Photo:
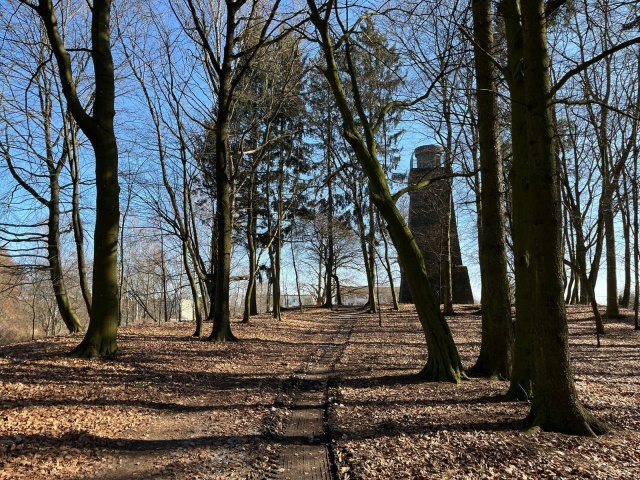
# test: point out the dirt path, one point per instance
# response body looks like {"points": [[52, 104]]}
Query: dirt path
{"points": [[305, 444]]}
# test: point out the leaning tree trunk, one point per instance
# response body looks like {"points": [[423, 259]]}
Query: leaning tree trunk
{"points": [[555, 403], [443, 363], [496, 348]]}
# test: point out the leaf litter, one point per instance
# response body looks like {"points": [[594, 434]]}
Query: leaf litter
{"points": [[174, 407]]}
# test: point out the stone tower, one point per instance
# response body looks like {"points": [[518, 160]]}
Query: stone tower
{"points": [[427, 216]]}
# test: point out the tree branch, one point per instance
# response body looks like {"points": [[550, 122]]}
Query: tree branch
{"points": [[494, 60], [586, 64], [428, 181]]}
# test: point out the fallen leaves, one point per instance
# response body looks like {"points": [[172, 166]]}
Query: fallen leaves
{"points": [[176, 407], [392, 426]]}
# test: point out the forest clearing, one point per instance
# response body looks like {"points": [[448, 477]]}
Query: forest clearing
{"points": [[172, 406]]}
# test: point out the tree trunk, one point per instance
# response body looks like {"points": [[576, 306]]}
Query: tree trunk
{"points": [[164, 279], [371, 260], [582, 270], [100, 339], [338, 292], [293, 260], [56, 271], [443, 363], [445, 275], [319, 289], [67, 312], [220, 312], [625, 202], [496, 348], [610, 249], [597, 251], [580, 267], [555, 403], [251, 250], [277, 242], [297, 276], [636, 235], [362, 236], [76, 219], [121, 280], [446, 279], [571, 286], [521, 386], [329, 267], [387, 263], [193, 287], [277, 248]]}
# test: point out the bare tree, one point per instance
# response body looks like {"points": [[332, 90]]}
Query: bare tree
{"points": [[42, 147], [94, 116], [218, 29]]}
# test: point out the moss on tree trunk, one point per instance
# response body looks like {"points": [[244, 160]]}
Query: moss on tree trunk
{"points": [[443, 362], [555, 403], [100, 339]]}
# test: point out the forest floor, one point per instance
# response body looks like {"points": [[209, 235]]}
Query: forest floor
{"points": [[175, 407]]}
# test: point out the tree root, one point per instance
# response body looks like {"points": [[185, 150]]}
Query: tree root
{"points": [[91, 349], [435, 371], [582, 423]]}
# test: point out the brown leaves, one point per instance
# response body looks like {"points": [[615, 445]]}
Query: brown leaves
{"points": [[392, 426], [176, 407]]}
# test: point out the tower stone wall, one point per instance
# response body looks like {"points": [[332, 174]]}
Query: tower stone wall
{"points": [[427, 218]]}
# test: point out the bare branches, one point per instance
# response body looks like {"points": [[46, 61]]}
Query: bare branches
{"points": [[584, 65], [428, 181], [45, 10]]}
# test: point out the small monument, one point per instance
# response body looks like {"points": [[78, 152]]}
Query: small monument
{"points": [[427, 217]]}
